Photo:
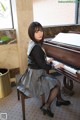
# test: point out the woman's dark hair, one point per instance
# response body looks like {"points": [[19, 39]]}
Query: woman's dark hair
{"points": [[33, 27]]}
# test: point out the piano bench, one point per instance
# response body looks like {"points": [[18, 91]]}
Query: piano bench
{"points": [[17, 77], [24, 94]]}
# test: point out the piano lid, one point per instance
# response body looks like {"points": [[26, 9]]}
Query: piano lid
{"points": [[69, 39]]}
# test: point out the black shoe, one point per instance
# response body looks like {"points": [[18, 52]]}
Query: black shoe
{"points": [[42, 106], [47, 111], [63, 102]]}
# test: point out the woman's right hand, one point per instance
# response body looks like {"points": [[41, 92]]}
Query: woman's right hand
{"points": [[60, 65]]}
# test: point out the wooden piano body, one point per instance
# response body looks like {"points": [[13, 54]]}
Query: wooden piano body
{"points": [[67, 54]]}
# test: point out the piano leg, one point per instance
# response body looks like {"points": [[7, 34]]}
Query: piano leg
{"points": [[68, 83], [68, 86]]}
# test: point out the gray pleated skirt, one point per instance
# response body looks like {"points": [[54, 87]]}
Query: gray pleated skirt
{"points": [[38, 82]]}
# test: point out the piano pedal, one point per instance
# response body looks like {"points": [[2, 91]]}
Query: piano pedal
{"points": [[66, 91]]}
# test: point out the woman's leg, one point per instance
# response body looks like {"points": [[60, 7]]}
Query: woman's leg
{"points": [[43, 100], [52, 95], [55, 92], [46, 108]]}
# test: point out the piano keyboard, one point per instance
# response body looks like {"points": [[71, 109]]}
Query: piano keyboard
{"points": [[72, 70]]}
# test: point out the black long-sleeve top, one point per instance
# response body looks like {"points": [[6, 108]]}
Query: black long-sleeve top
{"points": [[36, 59]]}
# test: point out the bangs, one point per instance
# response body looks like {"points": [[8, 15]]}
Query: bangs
{"points": [[38, 29]]}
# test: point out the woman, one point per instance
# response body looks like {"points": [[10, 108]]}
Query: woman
{"points": [[39, 82]]}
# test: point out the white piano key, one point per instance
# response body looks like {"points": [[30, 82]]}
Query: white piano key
{"points": [[72, 70]]}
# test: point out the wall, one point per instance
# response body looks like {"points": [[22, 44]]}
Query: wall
{"points": [[52, 12]]}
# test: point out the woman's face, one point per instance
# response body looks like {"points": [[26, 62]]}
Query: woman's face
{"points": [[38, 35]]}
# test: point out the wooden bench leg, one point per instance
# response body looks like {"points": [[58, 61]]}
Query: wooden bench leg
{"points": [[23, 105], [18, 94]]}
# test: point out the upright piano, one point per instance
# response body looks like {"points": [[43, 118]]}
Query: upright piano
{"points": [[65, 50]]}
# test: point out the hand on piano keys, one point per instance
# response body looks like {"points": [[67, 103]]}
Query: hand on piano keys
{"points": [[60, 65], [57, 64]]}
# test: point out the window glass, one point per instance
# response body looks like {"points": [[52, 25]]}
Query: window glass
{"points": [[54, 12], [5, 14]]}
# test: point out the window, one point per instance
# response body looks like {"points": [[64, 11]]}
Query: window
{"points": [[54, 12], [5, 14]]}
